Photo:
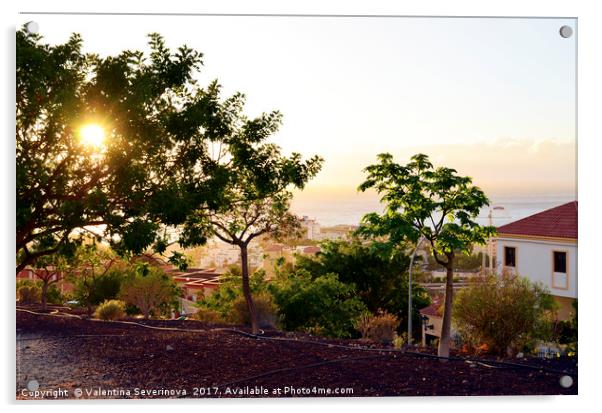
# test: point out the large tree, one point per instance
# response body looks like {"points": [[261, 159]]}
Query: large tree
{"points": [[150, 169], [255, 201], [435, 203]]}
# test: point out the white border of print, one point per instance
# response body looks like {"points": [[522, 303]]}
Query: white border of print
{"points": [[590, 66]]}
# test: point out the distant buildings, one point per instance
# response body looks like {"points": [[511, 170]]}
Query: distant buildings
{"points": [[543, 248], [312, 228], [221, 255]]}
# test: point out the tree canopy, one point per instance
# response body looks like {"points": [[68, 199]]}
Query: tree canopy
{"points": [[257, 180], [161, 156]]}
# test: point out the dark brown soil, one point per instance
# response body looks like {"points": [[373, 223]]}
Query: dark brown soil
{"points": [[115, 360]]}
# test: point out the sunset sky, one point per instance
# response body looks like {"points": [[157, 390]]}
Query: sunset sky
{"points": [[493, 98]]}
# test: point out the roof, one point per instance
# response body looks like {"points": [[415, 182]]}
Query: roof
{"points": [[558, 222], [433, 310], [311, 250], [274, 248]]}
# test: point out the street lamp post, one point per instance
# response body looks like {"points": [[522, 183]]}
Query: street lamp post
{"points": [[410, 289], [490, 244]]}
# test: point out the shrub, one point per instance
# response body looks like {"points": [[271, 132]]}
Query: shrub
{"points": [[380, 328], [264, 306], [110, 310], [400, 340], [208, 316], [321, 305], [29, 293], [148, 290], [99, 288], [230, 290], [54, 295], [503, 312]]}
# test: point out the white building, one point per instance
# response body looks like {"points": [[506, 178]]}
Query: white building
{"points": [[543, 248], [311, 226]]}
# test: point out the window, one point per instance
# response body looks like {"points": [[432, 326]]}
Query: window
{"points": [[560, 274], [509, 257], [560, 261]]}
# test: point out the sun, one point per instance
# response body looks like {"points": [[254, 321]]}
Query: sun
{"points": [[92, 135]]}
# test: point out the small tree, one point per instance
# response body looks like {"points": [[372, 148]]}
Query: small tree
{"points": [[503, 312], [149, 289], [49, 269], [437, 204], [256, 193], [89, 263]]}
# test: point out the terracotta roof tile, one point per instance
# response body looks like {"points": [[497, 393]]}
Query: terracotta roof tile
{"points": [[433, 310], [558, 222]]}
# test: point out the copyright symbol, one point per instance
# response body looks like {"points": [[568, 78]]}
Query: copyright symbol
{"points": [[77, 392]]}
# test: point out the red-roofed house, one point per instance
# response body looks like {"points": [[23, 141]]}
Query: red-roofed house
{"points": [[432, 317], [543, 248]]}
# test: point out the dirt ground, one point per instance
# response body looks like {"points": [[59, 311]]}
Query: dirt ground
{"points": [[62, 357]]}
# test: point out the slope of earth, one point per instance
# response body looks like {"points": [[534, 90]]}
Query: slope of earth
{"points": [[68, 357]]}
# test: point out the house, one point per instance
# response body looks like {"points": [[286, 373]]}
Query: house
{"points": [[197, 283], [432, 320], [543, 248]]}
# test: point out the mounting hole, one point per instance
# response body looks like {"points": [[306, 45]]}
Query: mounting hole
{"points": [[32, 27], [566, 381], [33, 385], [566, 31]]}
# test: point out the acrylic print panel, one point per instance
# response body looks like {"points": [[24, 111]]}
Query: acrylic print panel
{"points": [[279, 206]]}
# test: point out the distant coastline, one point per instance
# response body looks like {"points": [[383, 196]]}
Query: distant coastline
{"points": [[349, 210]]}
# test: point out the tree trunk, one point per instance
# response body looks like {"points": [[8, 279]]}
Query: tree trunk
{"points": [[444, 340], [246, 288], [44, 293]]}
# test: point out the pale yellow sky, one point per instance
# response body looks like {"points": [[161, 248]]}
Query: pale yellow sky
{"points": [[503, 167], [493, 98]]}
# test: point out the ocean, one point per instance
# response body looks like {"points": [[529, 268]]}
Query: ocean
{"points": [[349, 210]]}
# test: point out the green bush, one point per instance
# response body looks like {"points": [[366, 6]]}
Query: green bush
{"points": [[503, 312], [29, 293], [377, 272], [322, 305], [264, 306], [110, 310], [230, 290], [150, 289], [100, 288], [53, 294], [208, 316], [380, 328]]}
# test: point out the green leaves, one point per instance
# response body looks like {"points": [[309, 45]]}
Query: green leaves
{"points": [[378, 271], [421, 200], [322, 305], [503, 311]]}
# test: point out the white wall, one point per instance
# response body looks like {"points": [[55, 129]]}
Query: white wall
{"points": [[534, 260]]}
